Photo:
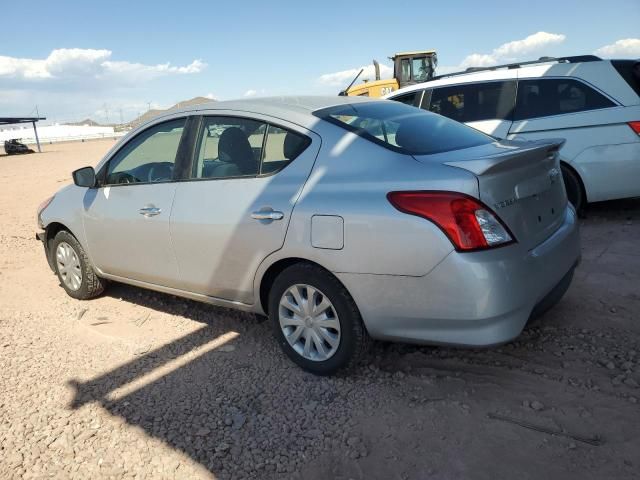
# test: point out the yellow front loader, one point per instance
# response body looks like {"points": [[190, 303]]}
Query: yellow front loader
{"points": [[408, 68]]}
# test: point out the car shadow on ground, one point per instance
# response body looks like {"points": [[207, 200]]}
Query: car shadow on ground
{"points": [[223, 394], [247, 410], [614, 209]]}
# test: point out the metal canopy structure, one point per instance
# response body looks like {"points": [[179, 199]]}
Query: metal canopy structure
{"points": [[32, 120]]}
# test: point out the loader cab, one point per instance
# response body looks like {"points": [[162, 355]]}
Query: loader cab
{"points": [[410, 68]]}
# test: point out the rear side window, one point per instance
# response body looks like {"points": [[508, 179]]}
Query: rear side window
{"points": [[281, 148], [475, 102], [545, 97], [412, 98], [403, 129], [231, 147]]}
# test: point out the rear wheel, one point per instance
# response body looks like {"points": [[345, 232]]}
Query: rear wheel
{"points": [[73, 268], [573, 185], [315, 320]]}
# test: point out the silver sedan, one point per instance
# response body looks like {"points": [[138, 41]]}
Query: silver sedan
{"points": [[342, 219]]}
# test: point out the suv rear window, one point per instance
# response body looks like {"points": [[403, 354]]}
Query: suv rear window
{"points": [[550, 96], [630, 71], [403, 129]]}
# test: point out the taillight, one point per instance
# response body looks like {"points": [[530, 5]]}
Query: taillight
{"points": [[635, 126], [469, 224]]}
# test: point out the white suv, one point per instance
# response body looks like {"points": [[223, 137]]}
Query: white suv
{"points": [[592, 103]]}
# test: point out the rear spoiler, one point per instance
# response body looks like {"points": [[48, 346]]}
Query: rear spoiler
{"points": [[515, 154]]}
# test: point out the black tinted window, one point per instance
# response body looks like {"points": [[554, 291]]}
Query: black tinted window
{"points": [[474, 102], [403, 129], [545, 97], [412, 98], [629, 70]]}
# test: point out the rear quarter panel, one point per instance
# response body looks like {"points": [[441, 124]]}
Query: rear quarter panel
{"points": [[599, 145], [351, 179]]}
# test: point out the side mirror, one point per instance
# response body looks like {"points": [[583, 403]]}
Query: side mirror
{"points": [[84, 177]]}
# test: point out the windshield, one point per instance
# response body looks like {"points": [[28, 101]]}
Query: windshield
{"points": [[403, 128]]}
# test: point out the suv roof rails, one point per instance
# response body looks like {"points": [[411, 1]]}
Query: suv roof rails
{"points": [[573, 59]]}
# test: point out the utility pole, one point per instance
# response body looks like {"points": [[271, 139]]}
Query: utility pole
{"points": [[106, 110], [121, 121]]}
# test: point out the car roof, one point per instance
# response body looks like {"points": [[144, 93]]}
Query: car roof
{"points": [[297, 109], [600, 74]]}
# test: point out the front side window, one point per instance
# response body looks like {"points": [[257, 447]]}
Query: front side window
{"points": [[475, 102], [232, 147], [149, 157], [403, 129], [545, 97]]}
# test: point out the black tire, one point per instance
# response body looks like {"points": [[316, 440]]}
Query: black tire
{"points": [[573, 185], [91, 285], [354, 339]]}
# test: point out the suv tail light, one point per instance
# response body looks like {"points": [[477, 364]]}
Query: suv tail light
{"points": [[635, 126], [467, 222]]}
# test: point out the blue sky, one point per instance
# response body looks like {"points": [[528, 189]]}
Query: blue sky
{"points": [[75, 58]]}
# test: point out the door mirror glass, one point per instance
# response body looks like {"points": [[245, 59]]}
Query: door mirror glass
{"points": [[85, 177]]}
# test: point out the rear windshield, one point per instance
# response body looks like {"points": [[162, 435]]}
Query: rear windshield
{"points": [[403, 128]]}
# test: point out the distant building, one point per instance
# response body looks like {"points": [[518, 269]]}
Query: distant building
{"points": [[55, 133]]}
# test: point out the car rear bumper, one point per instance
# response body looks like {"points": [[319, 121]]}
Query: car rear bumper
{"points": [[470, 299]]}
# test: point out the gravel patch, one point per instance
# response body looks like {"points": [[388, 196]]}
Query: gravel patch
{"points": [[137, 384]]}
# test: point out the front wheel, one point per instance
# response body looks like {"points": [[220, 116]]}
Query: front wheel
{"points": [[73, 268], [315, 320]]}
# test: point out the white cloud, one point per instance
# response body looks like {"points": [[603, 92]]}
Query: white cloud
{"points": [[210, 96], [73, 63], [253, 93], [513, 51], [344, 77], [627, 47]]}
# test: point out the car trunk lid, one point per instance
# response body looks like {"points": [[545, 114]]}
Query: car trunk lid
{"points": [[521, 182]]}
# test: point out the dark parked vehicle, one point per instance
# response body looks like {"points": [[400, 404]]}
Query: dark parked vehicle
{"points": [[15, 146]]}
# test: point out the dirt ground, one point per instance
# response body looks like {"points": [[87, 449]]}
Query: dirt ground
{"points": [[137, 384]]}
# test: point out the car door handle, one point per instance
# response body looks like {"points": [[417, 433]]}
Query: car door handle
{"points": [[267, 215], [150, 211]]}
